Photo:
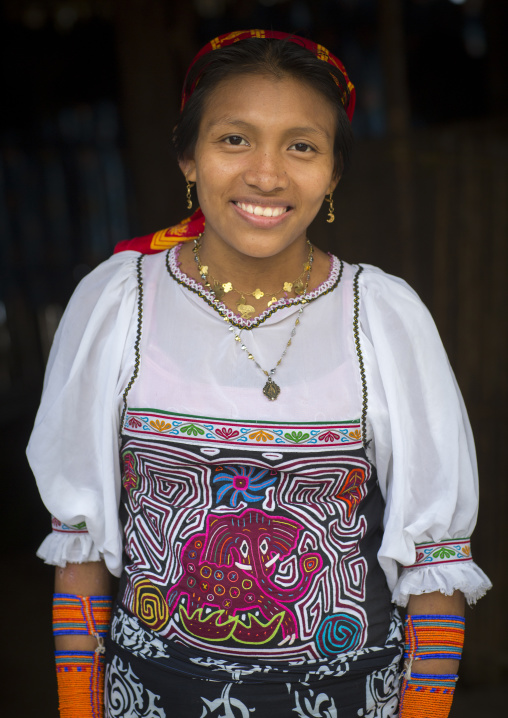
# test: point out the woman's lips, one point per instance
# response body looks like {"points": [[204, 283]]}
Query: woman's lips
{"points": [[262, 215]]}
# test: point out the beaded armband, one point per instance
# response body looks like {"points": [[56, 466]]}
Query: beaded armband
{"points": [[427, 695], [433, 637], [80, 674], [81, 616], [428, 637], [80, 679]]}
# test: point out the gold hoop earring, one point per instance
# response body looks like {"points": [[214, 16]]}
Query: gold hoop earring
{"points": [[331, 215], [190, 185]]}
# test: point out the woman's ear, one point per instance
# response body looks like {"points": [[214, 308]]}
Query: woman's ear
{"points": [[188, 167], [333, 184]]}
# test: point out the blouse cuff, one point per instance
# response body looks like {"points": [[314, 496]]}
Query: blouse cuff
{"points": [[58, 549], [461, 576]]}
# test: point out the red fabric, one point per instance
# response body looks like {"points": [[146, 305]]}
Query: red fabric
{"points": [[189, 228], [318, 50]]}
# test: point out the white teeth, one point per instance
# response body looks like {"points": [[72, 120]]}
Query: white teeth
{"points": [[260, 211]]}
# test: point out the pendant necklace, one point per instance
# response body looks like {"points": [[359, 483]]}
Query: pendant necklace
{"points": [[271, 389]]}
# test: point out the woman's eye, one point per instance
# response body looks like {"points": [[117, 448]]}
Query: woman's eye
{"points": [[302, 147], [235, 140]]}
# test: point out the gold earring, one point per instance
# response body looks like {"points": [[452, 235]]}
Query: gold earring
{"points": [[331, 215], [190, 185]]}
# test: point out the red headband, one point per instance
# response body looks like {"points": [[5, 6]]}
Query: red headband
{"points": [[348, 99]]}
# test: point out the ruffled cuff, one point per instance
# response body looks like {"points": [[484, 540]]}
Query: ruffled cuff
{"points": [[466, 577], [58, 549]]}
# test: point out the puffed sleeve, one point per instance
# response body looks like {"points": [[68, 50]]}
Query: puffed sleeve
{"points": [[73, 449], [422, 443]]}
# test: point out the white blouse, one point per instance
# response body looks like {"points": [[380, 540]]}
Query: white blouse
{"points": [[418, 432]]}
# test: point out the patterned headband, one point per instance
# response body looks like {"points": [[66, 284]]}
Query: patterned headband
{"points": [[348, 98]]}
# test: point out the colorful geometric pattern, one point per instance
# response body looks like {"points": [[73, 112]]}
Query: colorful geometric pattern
{"points": [[207, 430], [80, 678], [450, 551], [81, 615], [189, 228], [348, 98], [431, 636], [244, 534], [427, 696]]}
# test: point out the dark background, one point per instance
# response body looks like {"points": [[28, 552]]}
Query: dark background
{"points": [[90, 91]]}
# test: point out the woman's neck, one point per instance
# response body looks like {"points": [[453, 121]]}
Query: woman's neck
{"points": [[249, 285]]}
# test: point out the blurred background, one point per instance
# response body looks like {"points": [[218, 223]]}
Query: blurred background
{"points": [[90, 92]]}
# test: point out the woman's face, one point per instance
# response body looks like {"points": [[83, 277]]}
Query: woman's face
{"points": [[263, 162]]}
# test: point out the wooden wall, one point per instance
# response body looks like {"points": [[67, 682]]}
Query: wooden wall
{"points": [[433, 208]]}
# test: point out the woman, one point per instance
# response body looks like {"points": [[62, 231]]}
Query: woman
{"points": [[273, 437]]}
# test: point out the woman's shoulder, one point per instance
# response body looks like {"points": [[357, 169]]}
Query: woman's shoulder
{"points": [[383, 289], [103, 292], [373, 283], [118, 267], [376, 279], [109, 281]]}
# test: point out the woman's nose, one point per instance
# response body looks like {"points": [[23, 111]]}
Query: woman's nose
{"points": [[266, 172]]}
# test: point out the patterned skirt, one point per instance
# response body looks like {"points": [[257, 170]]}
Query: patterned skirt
{"points": [[147, 677]]}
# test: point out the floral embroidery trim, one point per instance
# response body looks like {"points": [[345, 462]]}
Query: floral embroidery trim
{"points": [[432, 554], [254, 433], [173, 268], [58, 527]]}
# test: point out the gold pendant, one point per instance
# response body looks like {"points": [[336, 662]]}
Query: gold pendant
{"points": [[257, 293], [288, 286], [273, 300], [246, 310], [227, 287], [271, 390], [298, 287]]}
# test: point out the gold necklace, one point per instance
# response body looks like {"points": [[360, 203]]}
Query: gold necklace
{"points": [[246, 310], [271, 390]]}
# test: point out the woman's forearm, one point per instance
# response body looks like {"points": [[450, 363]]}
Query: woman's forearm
{"points": [[81, 617]]}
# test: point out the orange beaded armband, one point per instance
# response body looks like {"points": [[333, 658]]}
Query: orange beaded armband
{"points": [[81, 615], [428, 637], [80, 678], [80, 674], [432, 636], [427, 696]]}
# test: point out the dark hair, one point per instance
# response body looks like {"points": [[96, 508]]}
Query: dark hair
{"points": [[279, 58]]}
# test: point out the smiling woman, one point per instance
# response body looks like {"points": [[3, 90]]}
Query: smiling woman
{"points": [[265, 443], [262, 186]]}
